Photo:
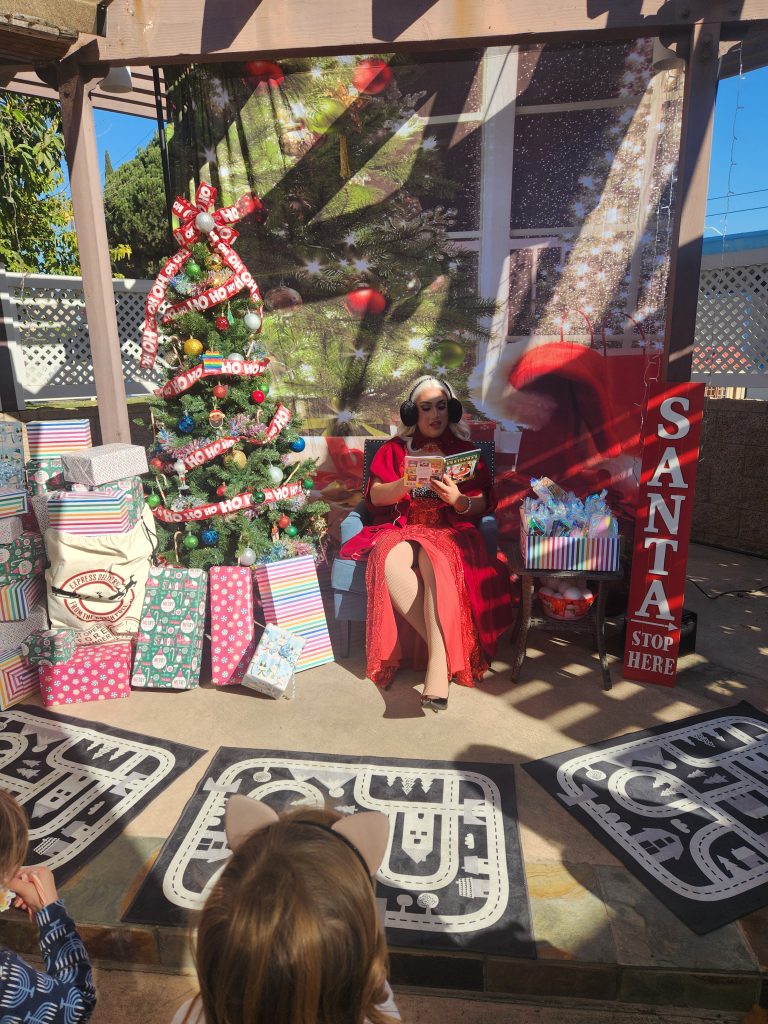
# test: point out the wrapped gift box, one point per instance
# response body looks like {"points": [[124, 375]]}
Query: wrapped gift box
{"points": [[105, 464], [231, 604], [50, 646], [12, 502], [19, 596], [132, 485], [92, 512], [14, 634], [24, 556], [93, 673], [18, 679], [10, 529], [48, 438], [290, 596], [273, 667], [579, 554], [170, 641], [11, 454], [44, 475]]}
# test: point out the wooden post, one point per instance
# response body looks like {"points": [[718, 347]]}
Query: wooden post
{"points": [[90, 227], [690, 208]]}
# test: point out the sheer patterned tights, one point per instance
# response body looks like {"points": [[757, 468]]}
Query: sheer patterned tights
{"points": [[410, 581]]}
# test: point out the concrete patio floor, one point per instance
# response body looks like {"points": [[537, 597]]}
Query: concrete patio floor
{"points": [[601, 936]]}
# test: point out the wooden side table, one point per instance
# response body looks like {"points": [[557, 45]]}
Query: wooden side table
{"points": [[592, 623]]}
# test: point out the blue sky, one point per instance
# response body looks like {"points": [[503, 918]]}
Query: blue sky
{"points": [[738, 163]]}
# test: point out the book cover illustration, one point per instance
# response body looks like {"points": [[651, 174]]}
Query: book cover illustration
{"points": [[420, 469]]}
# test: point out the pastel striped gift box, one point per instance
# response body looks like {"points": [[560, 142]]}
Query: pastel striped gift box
{"points": [[132, 485], [49, 438], [13, 502], [18, 679], [91, 512], [18, 597], [290, 596], [576, 554]]}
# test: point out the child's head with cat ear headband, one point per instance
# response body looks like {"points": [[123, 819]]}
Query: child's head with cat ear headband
{"points": [[290, 933]]}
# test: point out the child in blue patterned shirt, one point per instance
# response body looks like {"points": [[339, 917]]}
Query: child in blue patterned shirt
{"points": [[64, 992]]}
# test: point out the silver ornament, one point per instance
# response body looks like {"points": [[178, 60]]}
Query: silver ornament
{"points": [[236, 355], [204, 222], [275, 475], [252, 321], [247, 556]]}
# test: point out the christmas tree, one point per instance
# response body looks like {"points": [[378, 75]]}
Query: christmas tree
{"points": [[364, 289], [230, 485]]}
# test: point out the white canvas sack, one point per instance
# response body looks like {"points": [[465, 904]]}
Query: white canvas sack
{"points": [[99, 580]]}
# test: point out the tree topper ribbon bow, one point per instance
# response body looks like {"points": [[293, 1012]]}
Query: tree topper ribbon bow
{"points": [[196, 220]]}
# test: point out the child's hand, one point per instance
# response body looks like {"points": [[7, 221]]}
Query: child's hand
{"points": [[34, 888]]}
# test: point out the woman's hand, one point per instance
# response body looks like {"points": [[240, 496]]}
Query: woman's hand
{"points": [[446, 489], [34, 888]]}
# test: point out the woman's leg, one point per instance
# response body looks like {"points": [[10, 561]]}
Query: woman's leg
{"points": [[436, 681], [405, 587]]}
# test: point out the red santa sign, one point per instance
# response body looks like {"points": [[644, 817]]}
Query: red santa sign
{"points": [[670, 438]]}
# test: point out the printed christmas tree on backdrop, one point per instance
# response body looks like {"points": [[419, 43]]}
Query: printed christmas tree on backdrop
{"points": [[364, 290], [229, 484]]}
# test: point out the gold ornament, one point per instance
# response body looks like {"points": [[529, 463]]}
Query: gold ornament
{"points": [[237, 459], [193, 347]]}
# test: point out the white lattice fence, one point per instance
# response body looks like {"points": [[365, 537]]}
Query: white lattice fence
{"points": [[732, 320], [47, 332]]}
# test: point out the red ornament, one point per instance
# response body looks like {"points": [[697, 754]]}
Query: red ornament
{"points": [[157, 464], [365, 301], [221, 323], [220, 391], [221, 490], [372, 76], [264, 72], [250, 204], [258, 397], [283, 521]]}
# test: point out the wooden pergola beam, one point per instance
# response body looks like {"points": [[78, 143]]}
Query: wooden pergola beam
{"points": [[184, 31]]}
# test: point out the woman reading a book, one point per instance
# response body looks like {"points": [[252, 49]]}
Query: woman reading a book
{"points": [[436, 597]]}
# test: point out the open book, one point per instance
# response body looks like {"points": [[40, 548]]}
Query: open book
{"points": [[420, 469]]}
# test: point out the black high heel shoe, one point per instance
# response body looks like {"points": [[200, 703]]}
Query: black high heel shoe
{"points": [[435, 703]]}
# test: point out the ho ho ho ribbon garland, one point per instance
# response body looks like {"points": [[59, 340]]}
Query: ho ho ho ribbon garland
{"points": [[230, 367], [238, 503], [213, 449], [220, 238]]}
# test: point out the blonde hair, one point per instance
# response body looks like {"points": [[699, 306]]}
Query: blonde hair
{"points": [[460, 429], [290, 933], [14, 836]]}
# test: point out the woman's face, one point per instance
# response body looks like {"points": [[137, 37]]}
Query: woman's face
{"points": [[432, 405]]}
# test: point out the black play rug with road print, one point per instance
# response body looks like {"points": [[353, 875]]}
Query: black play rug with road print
{"points": [[452, 876], [684, 806], [79, 782]]}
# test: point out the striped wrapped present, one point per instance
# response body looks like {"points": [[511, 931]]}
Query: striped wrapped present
{"points": [[290, 596], [575, 554], [92, 513], [18, 597], [132, 485], [18, 679], [13, 502], [48, 438]]}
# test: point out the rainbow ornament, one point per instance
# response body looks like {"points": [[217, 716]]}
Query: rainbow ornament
{"points": [[213, 362], [18, 679], [290, 595]]}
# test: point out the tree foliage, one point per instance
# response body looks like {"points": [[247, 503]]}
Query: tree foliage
{"points": [[36, 233], [134, 208]]}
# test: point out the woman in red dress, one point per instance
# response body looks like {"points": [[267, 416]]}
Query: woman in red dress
{"points": [[436, 597]]}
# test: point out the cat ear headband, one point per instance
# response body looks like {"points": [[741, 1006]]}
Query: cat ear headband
{"points": [[366, 832]]}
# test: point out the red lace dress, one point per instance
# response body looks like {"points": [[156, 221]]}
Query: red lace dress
{"points": [[473, 594]]}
